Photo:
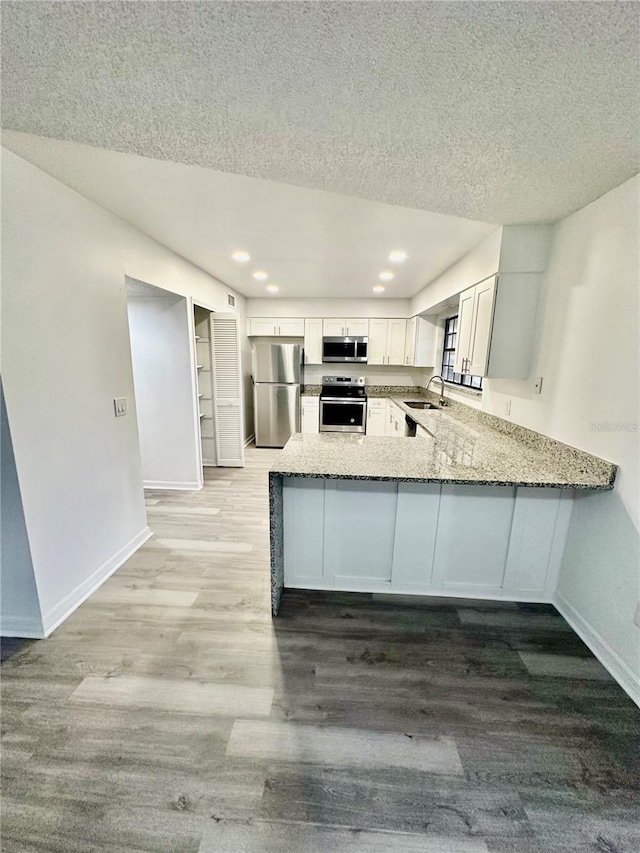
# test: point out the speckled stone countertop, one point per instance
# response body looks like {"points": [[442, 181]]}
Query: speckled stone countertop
{"points": [[462, 447]]}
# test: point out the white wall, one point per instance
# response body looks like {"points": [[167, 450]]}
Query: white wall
{"points": [[587, 353], [590, 362], [374, 374], [277, 307], [65, 357], [481, 262], [19, 609], [163, 379]]}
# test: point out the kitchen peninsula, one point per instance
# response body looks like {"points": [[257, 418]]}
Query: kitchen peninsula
{"points": [[476, 507]]}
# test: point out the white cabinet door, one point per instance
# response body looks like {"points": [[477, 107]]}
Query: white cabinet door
{"points": [[262, 326], [396, 422], [310, 415], [358, 546], [390, 420], [303, 504], [377, 350], [226, 373], [377, 419], [333, 328], [473, 538], [465, 329], [410, 344], [291, 327], [356, 328], [313, 341], [482, 320], [396, 335]]}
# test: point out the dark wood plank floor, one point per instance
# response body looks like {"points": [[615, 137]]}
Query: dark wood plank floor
{"points": [[169, 713]]}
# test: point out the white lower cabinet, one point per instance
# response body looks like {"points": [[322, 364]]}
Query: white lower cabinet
{"points": [[474, 523], [377, 417], [396, 421], [467, 541], [356, 552], [310, 419]]}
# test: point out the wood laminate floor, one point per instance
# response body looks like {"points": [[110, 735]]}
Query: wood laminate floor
{"points": [[170, 714]]}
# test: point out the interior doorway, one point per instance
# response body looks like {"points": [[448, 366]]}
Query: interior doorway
{"points": [[166, 405]]}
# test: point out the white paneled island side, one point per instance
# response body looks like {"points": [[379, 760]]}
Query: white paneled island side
{"points": [[471, 511]]}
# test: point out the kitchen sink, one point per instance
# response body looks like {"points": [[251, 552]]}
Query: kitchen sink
{"points": [[419, 404]]}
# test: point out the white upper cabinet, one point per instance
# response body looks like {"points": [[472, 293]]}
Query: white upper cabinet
{"points": [[410, 344], [475, 317], [291, 327], [262, 326], [421, 341], [497, 316], [356, 328], [387, 341], [349, 327], [279, 327], [482, 321], [313, 341], [333, 328]]}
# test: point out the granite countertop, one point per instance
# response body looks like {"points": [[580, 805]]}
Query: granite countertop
{"points": [[462, 447]]}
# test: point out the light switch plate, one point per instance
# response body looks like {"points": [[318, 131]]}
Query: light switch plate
{"points": [[120, 406], [537, 385]]}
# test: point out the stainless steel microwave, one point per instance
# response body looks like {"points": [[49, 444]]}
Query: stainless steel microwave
{"points": [[341, 350]]}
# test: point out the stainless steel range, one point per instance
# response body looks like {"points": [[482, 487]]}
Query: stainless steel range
{"points": [[343, 404]]}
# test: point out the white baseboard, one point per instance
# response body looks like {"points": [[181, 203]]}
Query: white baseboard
{"points": [[28, 627], [74, 599], [610, 659], [249, 440], [169, 485]]}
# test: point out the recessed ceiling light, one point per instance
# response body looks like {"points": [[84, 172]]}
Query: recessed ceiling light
{"points": [[387, 275], [260, 275], [398, 257], [241, 257], [378, 289], [273, 288]]}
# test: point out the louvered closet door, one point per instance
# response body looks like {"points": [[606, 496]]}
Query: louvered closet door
{"points": [[227, 390]]}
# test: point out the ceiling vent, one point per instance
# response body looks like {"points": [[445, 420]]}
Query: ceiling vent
{"points": [[231, 300]]}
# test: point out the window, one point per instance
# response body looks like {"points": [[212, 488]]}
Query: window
{"points": [[449, 357]]}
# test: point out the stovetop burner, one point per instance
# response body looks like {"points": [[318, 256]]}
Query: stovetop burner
{"points": [[343, 387]]}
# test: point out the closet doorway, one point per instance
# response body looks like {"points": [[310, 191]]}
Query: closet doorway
{"points": [[218, 386]]}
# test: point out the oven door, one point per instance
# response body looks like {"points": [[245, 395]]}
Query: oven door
{"points": [[343, 415]]}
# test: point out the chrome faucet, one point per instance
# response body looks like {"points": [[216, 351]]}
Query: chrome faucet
{"points": [[442, 400]]}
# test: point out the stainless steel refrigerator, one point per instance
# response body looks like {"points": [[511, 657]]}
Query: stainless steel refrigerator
{"points": [[277, 374]]}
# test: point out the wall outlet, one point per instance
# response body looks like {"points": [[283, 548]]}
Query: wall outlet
{"points": [[537, 385], [507, 408], [120, 406]]}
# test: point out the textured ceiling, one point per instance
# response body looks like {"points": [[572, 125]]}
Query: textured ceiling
{"points": [[502, 112], [310, 242]]}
